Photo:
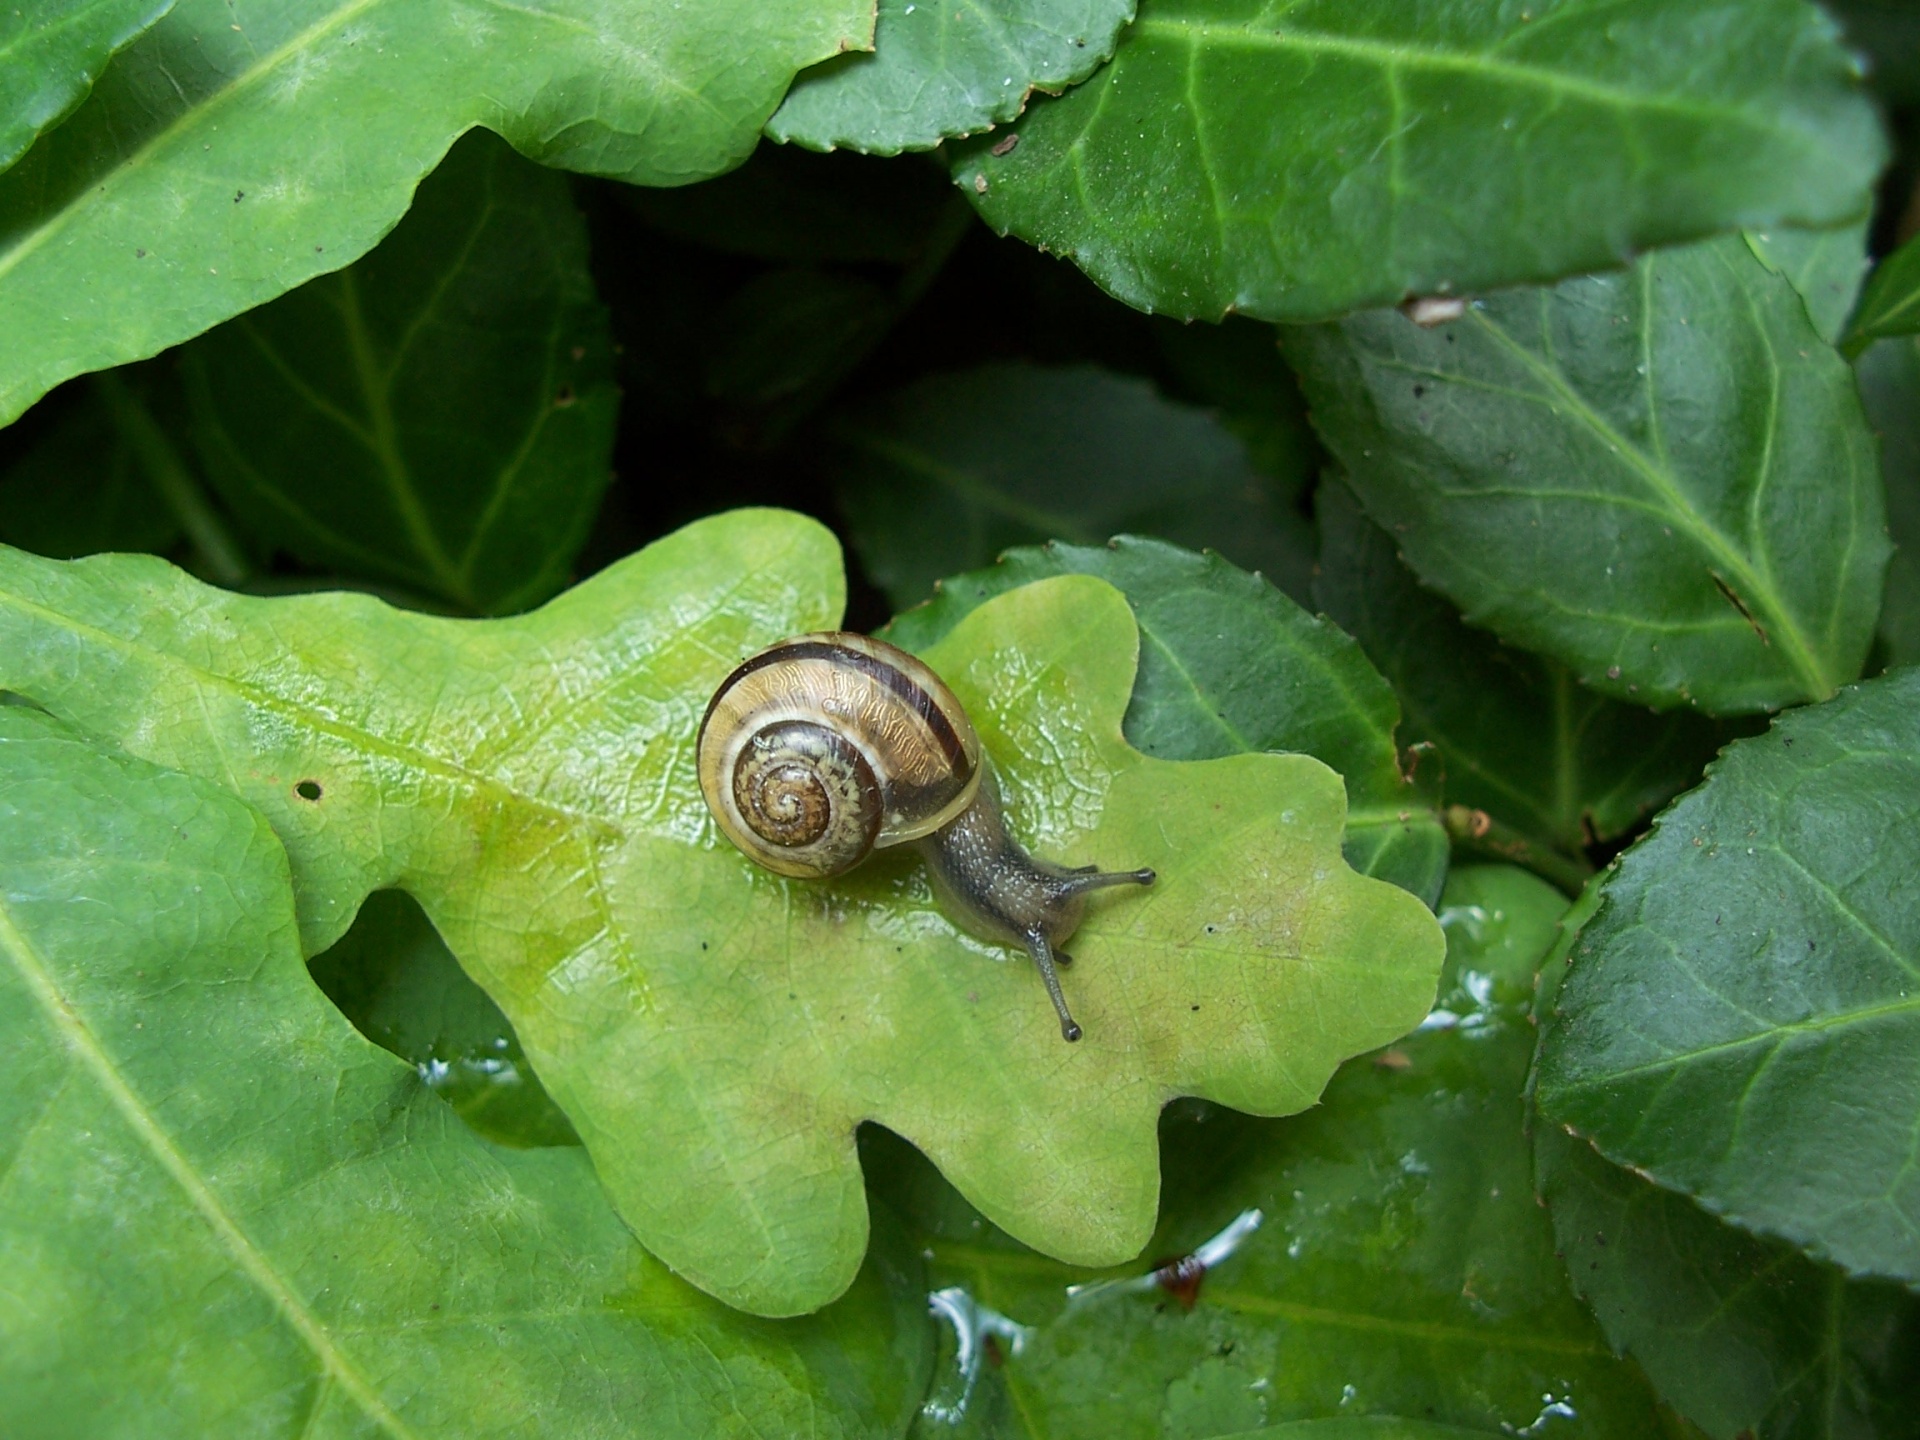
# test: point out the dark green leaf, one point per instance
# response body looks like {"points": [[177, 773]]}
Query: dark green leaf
{"points": [[1229, 665], [1888, 32], [1360, 1427], [1517, 736], [1891, 305], [791, 334], [947, 67], [1662, 479], [1742, 1021], [393, 976], [81, 489], [1825, 266], [1889, 374], [439, 414], [226, 1214], [945, 474], [1401, 1265], [229, 155], [1297, 163], [1745, 1337], [50, 53]]}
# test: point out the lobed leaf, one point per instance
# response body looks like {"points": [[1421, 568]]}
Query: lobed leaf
{"points": [[1293, 161], [1891, 304], [940, 68], [242, 147], [1661, 479], [1743, 1336], [1516, 736], [529, 781], [51, 55], [1229, 666], [1740, 1023], [944, 474], [226, 1214], [439, 413], [1400, 1265]]}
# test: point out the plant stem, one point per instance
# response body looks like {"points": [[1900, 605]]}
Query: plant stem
{"points": [[221, 557], [1478, 831]]}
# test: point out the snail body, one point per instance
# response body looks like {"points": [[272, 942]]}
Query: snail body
{"points": [[823, 748]]}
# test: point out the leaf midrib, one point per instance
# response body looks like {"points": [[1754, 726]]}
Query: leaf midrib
{"points": [[82, 1042]]}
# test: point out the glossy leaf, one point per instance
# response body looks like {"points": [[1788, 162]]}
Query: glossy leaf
{"points": [[1516, 735], [1293, 162], [941, 68], [439, 414], [50, 55], [1891, 305], [1229, 666], [1742, 1020], [233, 153], [1400, 1266], [1889, 374], [1662, 479], [943, 475], [226, 1214], [1746, 1337], [1827, 267], [529, 782], [392, 975]]}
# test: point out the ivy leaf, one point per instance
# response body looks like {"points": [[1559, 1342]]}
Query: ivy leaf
{"points": [[1516, 736], [944, 474], [228, 1214], [228, 156], [439, 414], [1298, 162], [1741, 1020], [392, 975], [1741, 1335], [528, 781], [1229, 666], [1662, 479], [1400, 1264], [51, 54], [1891, 305], [941, 68]]}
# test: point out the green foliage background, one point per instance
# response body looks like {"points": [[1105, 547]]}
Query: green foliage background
{"points": [[1403, 471]]}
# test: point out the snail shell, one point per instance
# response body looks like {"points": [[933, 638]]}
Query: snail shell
{"points": [[825, 747]]}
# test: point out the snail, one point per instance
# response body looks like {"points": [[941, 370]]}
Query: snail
{"points": [[823, 748]]}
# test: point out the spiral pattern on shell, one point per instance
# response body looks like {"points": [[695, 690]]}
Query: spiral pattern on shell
{"points": [[824, 747]]}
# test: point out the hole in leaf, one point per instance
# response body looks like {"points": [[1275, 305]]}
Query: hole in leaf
{"points": [[393, 977], [308, 790]]}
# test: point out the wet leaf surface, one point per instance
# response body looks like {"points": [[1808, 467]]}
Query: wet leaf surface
{"points": [[529, 781]]}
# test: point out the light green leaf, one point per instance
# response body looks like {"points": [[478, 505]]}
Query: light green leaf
{"points": [[1229, 666], [1891, 305], [1661, 479], [1516, 736], [1296, 161], [1889, 375], [1742, 1020], [529, 782], [941, 68], [392, 975], [51, 52], [1743, 1336], [236, 151], [439, 414], [1400, 1265], [943, 475], [1825, 266], [226, 1214]]}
